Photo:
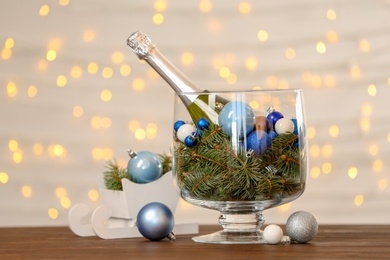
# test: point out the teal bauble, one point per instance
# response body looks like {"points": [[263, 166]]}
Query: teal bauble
{"points": [[237, 119], [144, 167]]}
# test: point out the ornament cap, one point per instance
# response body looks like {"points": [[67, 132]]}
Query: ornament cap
{"points": [[131, 153], [172, 236], [270, 109]]}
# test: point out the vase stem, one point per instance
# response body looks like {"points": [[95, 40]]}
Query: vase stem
{"points": [[242, 222]]}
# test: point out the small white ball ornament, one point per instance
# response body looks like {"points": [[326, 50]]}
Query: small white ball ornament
{"points": [[184, 131], [284, 125], [273, 234], [301, 227]]}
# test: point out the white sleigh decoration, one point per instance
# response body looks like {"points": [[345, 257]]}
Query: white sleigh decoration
{"points": [[116, 218]]}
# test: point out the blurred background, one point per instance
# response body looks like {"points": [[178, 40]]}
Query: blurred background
{"points": [[74, 96]]}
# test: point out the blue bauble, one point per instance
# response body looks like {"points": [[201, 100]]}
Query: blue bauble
{"points": [[273, 117], [178, 124], [155, 221], [190, 141], [203, 123], [145, 167], [259, 141], [295, 121], [272, 134], [236, 119]]}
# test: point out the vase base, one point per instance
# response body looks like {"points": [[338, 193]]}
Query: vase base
{"points": [[223, 237]]}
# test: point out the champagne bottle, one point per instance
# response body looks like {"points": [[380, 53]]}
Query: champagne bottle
{"points": [[198, 106]]}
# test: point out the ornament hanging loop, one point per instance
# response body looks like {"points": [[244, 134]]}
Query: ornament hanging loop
{"points": [[131, 153]]}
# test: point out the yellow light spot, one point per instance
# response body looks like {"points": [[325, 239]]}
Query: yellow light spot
{"points": [[9, 43], [314, 150], [13, 145], [257, 88], [78, 111], [95, 122], [140, 134], [12, 90], [224, 72], [32, 91], [151, 131], [215, 25], [76, 72], [331, 14], [63, 2], [60, 192], [388, 137], [371, 90], [102, 153], [315, 172], [158, 18], [106, 95], [51, 55], [6, 53], [262, 35], [53, 213], [160, 5], [359, 199], [316, 80], [59, 151], [187, 58], [3, 177], [332, 37], [321, 47], [355, 72], [283, 84], [26, 191], [373, 149], [54, 44], [244, 8], [388, 81], [138, 84], [290, 53], [152, 74], [382, 184], [333, 130], [105, 122], [377, 165], [205, 6], [365, 124], [117, 57], [44, 10], [330, 81], [285, 207], [17, 156], [327, 150], [311, 132], [42, 64], [231, 79], [133, 125], [61, 81], [326, 167], [251, 63], [364, 45], [107, 72], [306, 77], [65, 202], [254, 104], [366, 110], [92, 68], [93, 195], [125, 70], [272, 80], [38, 149], [352, 172], [89, 36]]}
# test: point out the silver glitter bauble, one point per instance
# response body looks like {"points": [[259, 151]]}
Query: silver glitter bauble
{"points": [[301, 227]]}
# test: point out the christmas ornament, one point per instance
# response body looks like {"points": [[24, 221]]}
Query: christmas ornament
{"points": [[273, 234], [190, 140], [272, 134], [258, 141], [273, 117], [178, 124], [295, 122], [236, 119], [203, 123], [284, 125], [184, 130], [144, 167], [262, 123], [155, 221], [301, 227]]}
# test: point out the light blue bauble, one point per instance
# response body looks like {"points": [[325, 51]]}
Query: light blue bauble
{"points": [[145, 167], [236, 119], [259, 141]]}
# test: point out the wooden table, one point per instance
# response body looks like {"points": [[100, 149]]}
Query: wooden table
{"points": [[331, 242]]}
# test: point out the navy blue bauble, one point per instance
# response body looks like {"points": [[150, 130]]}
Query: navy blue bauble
{"points": [[272, 134], [155, 221], [273, 117], [190, 141], [237, 119], [178, 124], [202, 123], [144, 167], [259, 141]]}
